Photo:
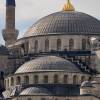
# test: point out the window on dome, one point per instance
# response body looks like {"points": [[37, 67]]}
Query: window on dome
{"points": [[8, 82], [43, 99], [12, 81], [71, 44], [45, 79], [56, 79], [5, 83], [46, 45], [82, 79], [83, 44], [75, 79], [65, 79], [18, 80], [29, 99], [27, 47], [36, 46], [26, 79], [36, 79], [58, 44]]}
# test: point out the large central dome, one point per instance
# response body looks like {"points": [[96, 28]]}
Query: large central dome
{"points": [[65, 22]]}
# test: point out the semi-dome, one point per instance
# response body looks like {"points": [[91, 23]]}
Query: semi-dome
{"points": [[47, 63], [65, 22], [86, 84], [35, 91]]}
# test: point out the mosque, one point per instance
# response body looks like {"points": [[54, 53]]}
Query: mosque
{"points": [[56, 59]]}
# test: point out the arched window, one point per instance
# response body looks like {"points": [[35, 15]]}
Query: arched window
{"points": [[65, 79], [58, 44], [56, 79], [46, 45], [36, 79], [5, 83], [27, 47], [83, 44], [26, 79], [45, 79], [8, 82], [12, 81], [71, 44], [18, 80], [82, 79], [75, 79], [43, 98], [36, 46], [29, 99]]}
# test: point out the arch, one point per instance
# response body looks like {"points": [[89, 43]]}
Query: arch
{"points": [[18, 80], [29, 99], [12, 81], [83, 79], [71, 44], [46, 45], [56, 78], [8, 83], [5, 83], [75, 79], [26, 79], [43, 98], [58, 44], [36, 46], [45, 79], [26, 47], [65, 79], [36, 79], [83, 44]]}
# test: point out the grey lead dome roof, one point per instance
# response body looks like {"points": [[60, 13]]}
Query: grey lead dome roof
{"points": [[48, 63], [35, 91], [86, 84], [64, 22]]}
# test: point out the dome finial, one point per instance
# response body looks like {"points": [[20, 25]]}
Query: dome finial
{"points": [[68, 6]]}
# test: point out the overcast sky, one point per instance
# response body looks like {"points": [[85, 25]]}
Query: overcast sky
{"points": [[29, 11]]}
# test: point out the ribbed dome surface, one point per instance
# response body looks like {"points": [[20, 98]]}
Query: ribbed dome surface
{"points": [[48, 63], [63, 22], [86, 84], [35, 91]]}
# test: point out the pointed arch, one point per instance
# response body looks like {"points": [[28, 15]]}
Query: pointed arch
{"points": [[18, 80], [75, 79], [46, 45], [58, 44], [26, 79], [82, 79], [71, 44], [83, 44], [36, 46]]}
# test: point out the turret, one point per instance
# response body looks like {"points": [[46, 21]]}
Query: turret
{"points": [[10, 33]]}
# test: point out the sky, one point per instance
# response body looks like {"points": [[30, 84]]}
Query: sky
{"points": [[29, 11]]}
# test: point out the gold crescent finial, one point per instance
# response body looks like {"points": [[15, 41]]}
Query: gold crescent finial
{"points": [[68, 6]]}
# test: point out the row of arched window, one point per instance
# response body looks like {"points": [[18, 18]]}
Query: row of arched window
{"points": [[45, 79], [71, 45]]}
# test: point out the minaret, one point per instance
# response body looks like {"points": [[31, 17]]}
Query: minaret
{"points": [[10, 34]]}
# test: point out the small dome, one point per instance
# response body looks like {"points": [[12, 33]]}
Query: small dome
{"points": [[48, 63], [6, 94], [86, 84], [65, 22], [94, 82], [35, 91]]}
